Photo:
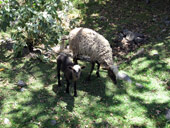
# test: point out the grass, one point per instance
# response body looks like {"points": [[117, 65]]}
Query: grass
{"points": [[100, 103]]}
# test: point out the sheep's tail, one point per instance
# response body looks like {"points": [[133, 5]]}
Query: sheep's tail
{"points": [[62, 42]]}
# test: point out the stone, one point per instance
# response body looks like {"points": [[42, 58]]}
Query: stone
{"points": [[126, 32], [123, 76], [138, 39], [22, 89], [140, 51], [53, 122], [7, 121], [139, 85], [139, 35], [167, 22], [147, 1], [21, 83], [130, 36], [168, 115]]}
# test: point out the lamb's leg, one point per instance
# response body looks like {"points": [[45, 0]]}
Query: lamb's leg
{"points": [[98, 68], [92, 68], [58, 75], [75, 89], [68, 84]]}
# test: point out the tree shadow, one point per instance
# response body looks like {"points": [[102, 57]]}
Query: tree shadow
{"points": [[155, 111], [109, 18], [3, 52], [43, 105], [1, 103]]}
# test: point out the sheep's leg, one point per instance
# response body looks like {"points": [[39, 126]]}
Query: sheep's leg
{"points": [[75, 89], [92, 68], [68, 84], [98, 68]]}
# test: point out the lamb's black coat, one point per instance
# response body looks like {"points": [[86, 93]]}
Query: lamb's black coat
{"points": [[65, 65]]}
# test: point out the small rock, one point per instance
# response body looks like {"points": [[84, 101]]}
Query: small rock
{"points": [[37, 51], [140, 51], [168, 115], [21, 83], [53, 122], [22, 89], [6, 121], [139, 85], [139, 35], [139, 39], [103, 18], [126, 32], [167, 22], [123, 76], [163, 30], [147, 1], [130, 36]]}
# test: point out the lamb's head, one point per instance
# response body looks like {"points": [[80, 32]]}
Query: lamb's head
{"points": [[76, 71]]}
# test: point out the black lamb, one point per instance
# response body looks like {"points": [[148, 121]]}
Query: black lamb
{"points": [[71, 72]]}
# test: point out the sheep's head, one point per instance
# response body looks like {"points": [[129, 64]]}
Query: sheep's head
{"points": [[112, 75], [112, 72], [76, 71], [115, 74]]}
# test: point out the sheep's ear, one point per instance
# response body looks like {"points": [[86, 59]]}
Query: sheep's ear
{"points": [[105, 68], [70, 67], [82, 67]]}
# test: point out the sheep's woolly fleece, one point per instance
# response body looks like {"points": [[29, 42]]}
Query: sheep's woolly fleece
{"points": [[84, 41]]}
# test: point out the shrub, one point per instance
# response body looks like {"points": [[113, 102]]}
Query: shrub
{"points": [[35, 22]]}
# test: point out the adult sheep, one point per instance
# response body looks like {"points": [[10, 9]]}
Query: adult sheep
{"points": [[85, 41]]}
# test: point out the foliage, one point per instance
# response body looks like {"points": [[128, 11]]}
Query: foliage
{"points": [[36, 22]]}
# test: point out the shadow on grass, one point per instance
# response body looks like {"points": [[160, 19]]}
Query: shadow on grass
{"points": [[110, 17], [1, 103], [3, 52], [155, 111], [44, 106]]}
